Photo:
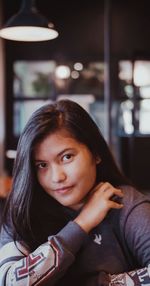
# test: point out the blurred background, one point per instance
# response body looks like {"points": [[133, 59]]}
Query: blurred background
{"points": [[101, 59]]}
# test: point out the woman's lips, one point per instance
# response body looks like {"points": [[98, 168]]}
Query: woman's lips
{"points": [[63, 190]]}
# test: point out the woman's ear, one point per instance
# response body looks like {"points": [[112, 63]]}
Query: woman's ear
{"points": [[98, 159]]}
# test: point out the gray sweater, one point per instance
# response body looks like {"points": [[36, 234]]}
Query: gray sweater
{"points": [[116, 252]]}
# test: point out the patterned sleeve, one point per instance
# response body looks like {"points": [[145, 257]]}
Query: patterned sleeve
{"points": [[46, 264], [139, 277]]}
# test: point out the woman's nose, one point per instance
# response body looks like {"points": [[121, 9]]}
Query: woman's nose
{"points": [[57, 174]]}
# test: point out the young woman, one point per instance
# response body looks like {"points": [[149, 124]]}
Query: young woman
{"points": [[71, 217]]}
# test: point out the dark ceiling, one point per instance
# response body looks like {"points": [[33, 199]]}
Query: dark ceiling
{"points": [[81, 29]]}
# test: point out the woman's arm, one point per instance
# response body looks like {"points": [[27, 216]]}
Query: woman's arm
{"points": [[50, 260], [47, 263], [97, 205]]}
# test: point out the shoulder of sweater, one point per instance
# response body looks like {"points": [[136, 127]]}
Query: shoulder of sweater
{"points": [[133, 197]]}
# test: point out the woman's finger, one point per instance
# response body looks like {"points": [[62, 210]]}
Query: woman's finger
{"points": [[109, 192], [115, 205]]}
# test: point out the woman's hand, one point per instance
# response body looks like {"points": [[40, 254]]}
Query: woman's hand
{"points": [[99, 202]]}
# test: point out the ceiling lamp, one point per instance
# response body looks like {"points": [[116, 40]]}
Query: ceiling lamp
{"points": [[28, 25]]}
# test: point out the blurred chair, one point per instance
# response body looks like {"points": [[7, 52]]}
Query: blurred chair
{"points": [[5, 186]]}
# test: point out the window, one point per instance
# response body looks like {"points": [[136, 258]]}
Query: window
{"points": [[134, 87], [36, 82]]}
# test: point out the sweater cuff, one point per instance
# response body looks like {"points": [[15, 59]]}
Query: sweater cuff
{"points": [[73, 236]]}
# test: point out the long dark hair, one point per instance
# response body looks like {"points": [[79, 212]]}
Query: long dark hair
{"points": [[34, 214]]}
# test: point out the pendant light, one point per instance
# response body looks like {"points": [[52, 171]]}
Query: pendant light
{"points": [[28, 25]]}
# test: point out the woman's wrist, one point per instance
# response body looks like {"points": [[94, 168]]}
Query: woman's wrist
{"points": [[84, 225]]}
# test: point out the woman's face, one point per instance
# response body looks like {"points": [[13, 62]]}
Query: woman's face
{"points": [[65, 168]]}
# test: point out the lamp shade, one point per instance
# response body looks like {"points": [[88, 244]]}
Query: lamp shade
{"points": [[29, 26]]}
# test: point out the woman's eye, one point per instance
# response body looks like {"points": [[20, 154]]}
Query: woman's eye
{"points": [[41, 165], [67, 157]]}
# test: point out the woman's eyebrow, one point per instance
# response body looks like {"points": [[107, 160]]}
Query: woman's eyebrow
{"points": [[38, 160], [65, 150], [57, 155]]}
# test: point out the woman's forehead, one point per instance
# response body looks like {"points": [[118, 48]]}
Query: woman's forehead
{"points": [[55, 143]]}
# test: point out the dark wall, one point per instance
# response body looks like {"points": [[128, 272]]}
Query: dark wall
{"points": [[135, 155], [130, 27]]}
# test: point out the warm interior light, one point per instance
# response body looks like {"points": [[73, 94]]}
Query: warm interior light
{"points": [[28, 34], [62, 72], [78, 66]]}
